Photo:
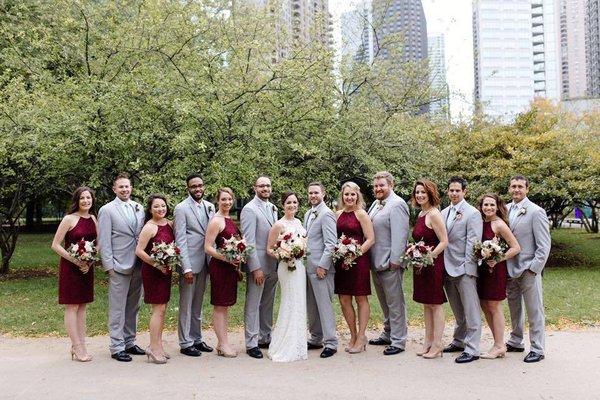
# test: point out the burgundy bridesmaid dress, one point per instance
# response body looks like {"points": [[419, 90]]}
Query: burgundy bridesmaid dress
{"points": [[491, 285], [355, 281], [75, 287], [428, 283], [223, 275], [157, 286]]}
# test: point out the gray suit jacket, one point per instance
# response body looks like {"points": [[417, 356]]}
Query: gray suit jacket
{"points": [[190, 224], [533, 234], [118, 238], [322, 238], [462, 235], [390, 224], [255, 224]]}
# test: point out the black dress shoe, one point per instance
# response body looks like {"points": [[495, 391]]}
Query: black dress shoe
{"points": [[513, 349], [191, 351], [264, 345], [391, 350], [465, 358], [311, 346], [379, 342], [328, 352], [203, 347], [254, 352], [452, 348], [121, 356], [533, 357], [135, 350]]}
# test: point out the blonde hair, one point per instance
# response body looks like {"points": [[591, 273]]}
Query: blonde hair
{"points": [[360, 201]]}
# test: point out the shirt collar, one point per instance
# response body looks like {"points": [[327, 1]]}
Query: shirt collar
{"points": [[128, 202], [458, 206], [521, 203]]}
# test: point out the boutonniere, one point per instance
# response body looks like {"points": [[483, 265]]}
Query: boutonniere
{"points": [[211, 209], [137, 207], [522, 211], [381, 204], [315, 212], [274, 209], [458, 215]]}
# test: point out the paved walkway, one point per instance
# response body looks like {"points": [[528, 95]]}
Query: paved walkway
{"points": [[41, 369]]}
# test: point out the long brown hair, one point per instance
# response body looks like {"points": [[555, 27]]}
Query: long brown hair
{"points": [[74, 207], [430, 188], [501, 210]]}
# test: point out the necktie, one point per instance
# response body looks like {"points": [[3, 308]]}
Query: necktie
{"points": [[269, 211], [311, 217], [451, 217], [130, 213]]}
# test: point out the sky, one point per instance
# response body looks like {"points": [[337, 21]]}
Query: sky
{"points": [[453, 18]]}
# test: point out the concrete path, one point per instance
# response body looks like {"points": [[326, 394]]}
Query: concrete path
{"points": [[41, 369]]}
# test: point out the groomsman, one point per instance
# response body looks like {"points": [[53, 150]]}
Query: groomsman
{"points": [[389, 214], [464, 226], [529, 224], [191, 218], [320, 225], [257, 218], [119, 226]]}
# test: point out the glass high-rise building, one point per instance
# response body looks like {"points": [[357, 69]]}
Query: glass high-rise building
{"points": [[440, 106], [592, 42]]}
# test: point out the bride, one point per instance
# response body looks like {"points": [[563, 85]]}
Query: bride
{"points": [[289, 338]]}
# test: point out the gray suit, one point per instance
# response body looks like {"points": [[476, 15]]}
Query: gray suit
{"points": [[460, 280], [256, 220], [118, 237], [390, 224], [190, 222], [525, 280], [322, 238]]}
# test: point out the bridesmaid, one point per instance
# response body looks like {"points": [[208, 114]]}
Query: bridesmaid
{"points": [[224, 276], [155, 278], [428, 283], [491, 284], [76, 278], [354, 222]]}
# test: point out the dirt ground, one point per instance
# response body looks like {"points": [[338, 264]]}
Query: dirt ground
{"points": [[42, 369]]}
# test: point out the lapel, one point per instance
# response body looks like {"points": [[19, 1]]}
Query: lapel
{"points": [[519, 216], [312, 222], [258, 203], [193, 205], [118, 205], [458, 211]]}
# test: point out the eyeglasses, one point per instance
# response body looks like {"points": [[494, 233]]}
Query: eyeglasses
{"points": [[196, 186], [264, 185]]}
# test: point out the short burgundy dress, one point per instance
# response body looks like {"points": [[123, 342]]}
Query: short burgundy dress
{"points": [[355, 281], [223, 275], [491, 285], [75, 287], [157, 286], [428, 284]]}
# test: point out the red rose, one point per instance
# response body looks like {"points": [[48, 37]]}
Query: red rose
{"points": [[300, 254], [346, 241], [287, 236], [177, 250], [423, 249], [241, 246]]}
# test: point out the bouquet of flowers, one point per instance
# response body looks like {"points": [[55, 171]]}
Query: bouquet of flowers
{"points": [[417, 255], [165, 255], [235, 249], [348, 250], [85, 251], [289, 248], [493, 249]]}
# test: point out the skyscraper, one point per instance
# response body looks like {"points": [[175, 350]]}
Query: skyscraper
{"points": [[440, 107], [516, 46], [572, 40], [592, 44]]}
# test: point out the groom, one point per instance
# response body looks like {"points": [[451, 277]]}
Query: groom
{"points": [[257, 218], [119, 225], [320, 225], [529, 223], [389, 214]]}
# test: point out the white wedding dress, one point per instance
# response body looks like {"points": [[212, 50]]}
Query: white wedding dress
{"points": [[289, 338]]}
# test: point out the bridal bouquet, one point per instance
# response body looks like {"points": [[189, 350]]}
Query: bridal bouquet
{"points": [[165, 255], [235, 249], [85, 251], [493, 249], [418, 256], [289, 248], [348, 250]]}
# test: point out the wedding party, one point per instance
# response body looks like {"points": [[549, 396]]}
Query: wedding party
{"points": [[472, 256]]}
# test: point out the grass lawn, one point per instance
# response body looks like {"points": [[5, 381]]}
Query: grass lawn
{"points": [[28, 298]]}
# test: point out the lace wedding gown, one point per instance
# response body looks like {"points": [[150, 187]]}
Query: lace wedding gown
{"points": [[289, 338]]}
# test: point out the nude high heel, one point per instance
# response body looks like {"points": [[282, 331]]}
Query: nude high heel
{"points": [[434, 353], [153, 358], [494, 353], [360, 348], [75, 357]]}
